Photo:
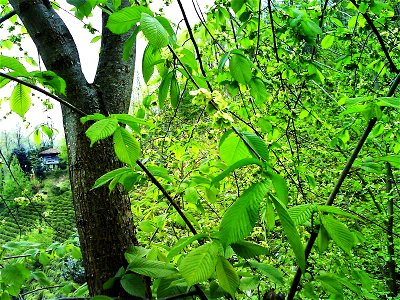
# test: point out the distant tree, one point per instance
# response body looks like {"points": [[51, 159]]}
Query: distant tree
{"points": [[22, 154]]}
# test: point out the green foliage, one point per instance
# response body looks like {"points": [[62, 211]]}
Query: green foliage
{"points": [[199, 264], [240, 218], [252, 160]]}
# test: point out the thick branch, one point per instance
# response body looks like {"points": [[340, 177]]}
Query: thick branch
{"points": [[57, 48], [114, 75]]}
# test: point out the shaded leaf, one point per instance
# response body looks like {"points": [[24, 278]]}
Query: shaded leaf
{"points": [[227, 276]]}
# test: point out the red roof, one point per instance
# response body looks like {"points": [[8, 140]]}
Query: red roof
{"points": [[49, 152]]}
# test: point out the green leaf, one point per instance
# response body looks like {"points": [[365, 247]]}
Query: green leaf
{"points": [[94, 117], [223, 61], [126, 147], [322, 239], [301, 213], [239, 220], [133, 284], [335, 210], [394, 160], [232, 149], [20, 100], [183, 243], [163, 89], [240, 68], [388, 101], [330, 283], [280, 186], [123, 20], [257, 144], [129, 43], [101, 130], [199, 264], [236, 165], [51, 79], [167, 26], [150, 56], [339, 233], [291, 233], [110, 176], [129, 120], [154, 32], [227, 276], [271, 272], [101, 297], [13, 64], [248, 249], [174, 92], [237, 5], [258, 90], [151, 268], [14, 275], [327, 41]]}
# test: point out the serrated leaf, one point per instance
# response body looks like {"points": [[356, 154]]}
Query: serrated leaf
{"points": [[183, 243], [335, 210], [257, 144], [240, 68], [339, 233], [291, 233], [20, 99], [247, 249], [301, 213], [151, 268], [133, 285], [258, 90], [123, 20], [101, 130], [227, 276], [167, 26], [199, 264], [239, 220], [154, 32], [126, 147], [236, 165], [110, 175], [281, 188], [13, 64], [232, 149], [271, 272]]}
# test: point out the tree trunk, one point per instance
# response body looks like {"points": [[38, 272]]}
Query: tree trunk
{"points": [[104, 220]]}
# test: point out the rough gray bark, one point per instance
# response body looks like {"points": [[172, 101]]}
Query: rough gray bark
{"points": [[104, 220]]}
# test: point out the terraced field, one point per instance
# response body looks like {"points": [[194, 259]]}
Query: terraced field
{"points": [[55, 211]]}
